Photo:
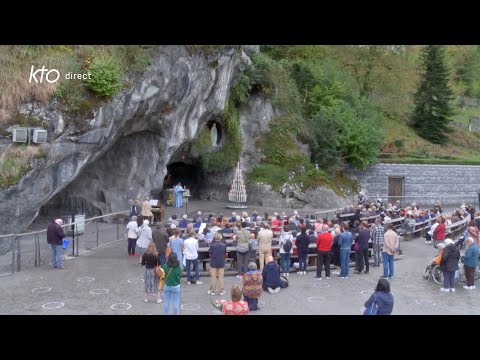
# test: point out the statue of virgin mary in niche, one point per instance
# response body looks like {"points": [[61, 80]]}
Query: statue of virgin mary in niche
{"points": [[214, 134]]}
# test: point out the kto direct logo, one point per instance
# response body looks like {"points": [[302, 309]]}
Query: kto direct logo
{"points": [[52, 75]]}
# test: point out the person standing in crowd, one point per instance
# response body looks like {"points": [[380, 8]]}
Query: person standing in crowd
{"points": [[302, 243], [178, 190], [472, 231], [470, 262], [150, 260], [390, 246], [236, 306], [252, 286], [264, 237], [136, 208], [449, 264], [242, 237], [218, 251], [439, 232], [55, 237], [345, 242], [161, 239], [286, 250], [324, 245], [361, 256], [191, 256], [271, 276], [147, 210], [335, 250], [171, 290], [377, 235], [383, 297], [177, 245], [132, 235], [144, 238]]}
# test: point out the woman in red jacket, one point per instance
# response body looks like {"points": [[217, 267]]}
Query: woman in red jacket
{"points": [[439, 233]]}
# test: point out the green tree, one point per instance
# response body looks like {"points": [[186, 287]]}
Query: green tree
{"points": [[433, 97], [470, 72]]}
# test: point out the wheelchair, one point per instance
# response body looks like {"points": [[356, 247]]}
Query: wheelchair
{"points": [[436, 274]]}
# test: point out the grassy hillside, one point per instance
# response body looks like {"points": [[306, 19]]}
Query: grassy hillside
{"points": [[111, 64], [403, 145]]}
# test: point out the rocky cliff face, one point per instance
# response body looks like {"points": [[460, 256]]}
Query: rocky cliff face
{"points": [[255, 117], [123, 149], [98, 162]]}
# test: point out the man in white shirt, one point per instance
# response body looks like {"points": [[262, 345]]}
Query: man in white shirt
{"points": [[191, 257]]}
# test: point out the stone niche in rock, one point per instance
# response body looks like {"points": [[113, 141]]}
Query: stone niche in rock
{"points": [[216, 132]]}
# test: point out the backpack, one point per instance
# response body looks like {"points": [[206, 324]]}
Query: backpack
{"points": [[287, 246]]}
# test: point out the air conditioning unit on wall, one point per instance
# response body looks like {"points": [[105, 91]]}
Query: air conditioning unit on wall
{"points": [[39, 136], [20, 135]]}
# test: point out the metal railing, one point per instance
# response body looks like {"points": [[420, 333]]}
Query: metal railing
{"points": [[30, 249]]}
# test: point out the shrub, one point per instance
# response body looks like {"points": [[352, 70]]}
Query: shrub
{"points": [[201, 143], [106, 75], [15, 163], [400, 143], [274, 175]]}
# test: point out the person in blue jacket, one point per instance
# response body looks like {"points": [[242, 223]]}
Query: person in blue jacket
{"points": [[470, 262], [271, 276], [345, 243], [383, 297]]}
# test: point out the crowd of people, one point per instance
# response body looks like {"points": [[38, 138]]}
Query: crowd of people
{"points": [[253, 243]]}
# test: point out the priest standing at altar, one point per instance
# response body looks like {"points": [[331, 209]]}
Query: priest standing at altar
{"points": [[178, 195]]}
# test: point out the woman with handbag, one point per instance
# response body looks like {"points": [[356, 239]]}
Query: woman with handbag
{"points": [[171, 289], [150, 261], [381, 300]]}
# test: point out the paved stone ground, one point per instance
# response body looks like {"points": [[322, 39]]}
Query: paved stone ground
{"points": [[95, 281]]}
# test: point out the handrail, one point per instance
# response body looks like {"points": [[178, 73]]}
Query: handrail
{"points": [[1, 236]]}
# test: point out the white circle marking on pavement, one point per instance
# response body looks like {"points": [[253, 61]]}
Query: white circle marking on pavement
{"points": [[41, 290], [99, 291], [316, 299], [425, 302], [322, 285], [53, 305], [135, 281], [190, 307], [121, 306], [85, 279]]}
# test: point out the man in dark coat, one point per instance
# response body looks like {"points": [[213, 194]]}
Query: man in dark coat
{"points": [[217, 251], [449, 264], [160, 239], [55, 237], [135, 210]]}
